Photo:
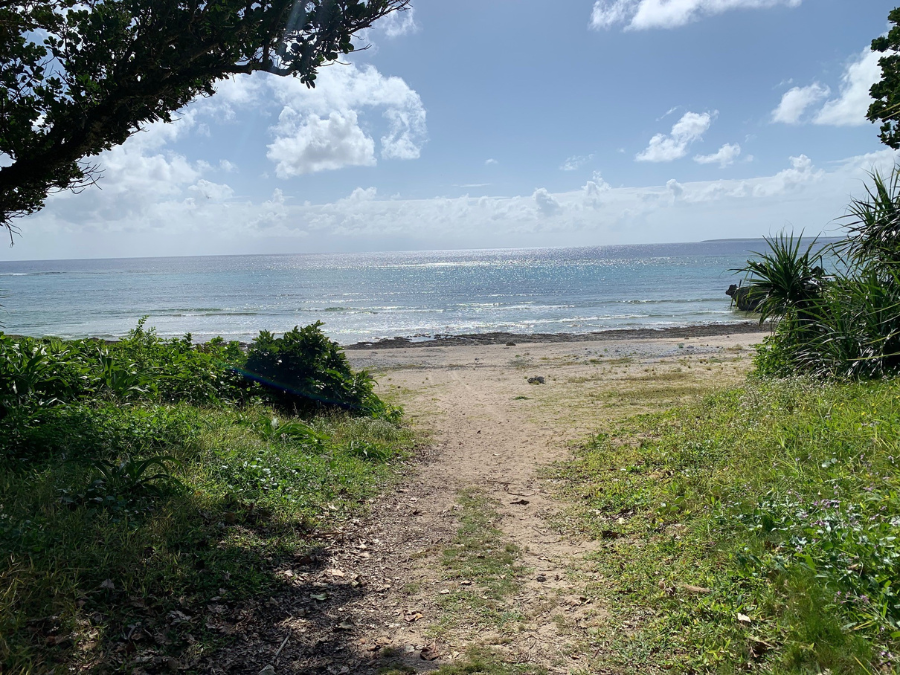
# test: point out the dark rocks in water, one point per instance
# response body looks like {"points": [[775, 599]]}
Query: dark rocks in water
{"points": [[536, 380], [740, 296]]}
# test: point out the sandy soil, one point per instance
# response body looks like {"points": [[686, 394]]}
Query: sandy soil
{"points": [[491, 430]]}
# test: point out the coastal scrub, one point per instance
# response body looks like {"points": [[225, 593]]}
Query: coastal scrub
{"points": [[148, 490]]}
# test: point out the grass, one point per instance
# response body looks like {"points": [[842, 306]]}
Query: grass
{"points": [[485, 566], [752, 531], [96, 575]]}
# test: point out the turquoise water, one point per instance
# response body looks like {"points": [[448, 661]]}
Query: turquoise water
{"points": [[363, 297]]}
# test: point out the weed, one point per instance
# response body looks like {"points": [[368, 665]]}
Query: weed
{"points": [[141, 481]]}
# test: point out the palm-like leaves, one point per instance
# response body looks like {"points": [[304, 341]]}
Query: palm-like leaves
{"points": [[874, 224], [784, 280], [847, 324]]}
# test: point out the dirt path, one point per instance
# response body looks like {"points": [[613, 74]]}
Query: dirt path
{"points": [[384, 593]]}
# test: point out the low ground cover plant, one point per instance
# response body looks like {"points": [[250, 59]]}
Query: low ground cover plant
{"points": [[143, 483], [754, 531]]}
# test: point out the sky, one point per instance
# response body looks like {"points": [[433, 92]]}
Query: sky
{"points": [[505, 124]]}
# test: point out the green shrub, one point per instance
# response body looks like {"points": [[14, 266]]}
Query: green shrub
{"points": [[305, 370], [846, 324]]}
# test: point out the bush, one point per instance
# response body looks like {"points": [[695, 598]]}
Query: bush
{"points": [[302, 371], [846, 324], [305, 370], [148, 476]]}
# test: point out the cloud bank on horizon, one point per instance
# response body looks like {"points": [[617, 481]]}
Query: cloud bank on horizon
{"points": [[394, 150]]}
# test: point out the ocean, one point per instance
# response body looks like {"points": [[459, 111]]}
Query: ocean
{"points": [[366, 297]]}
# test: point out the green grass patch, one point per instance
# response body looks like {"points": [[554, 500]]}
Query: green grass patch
{"points": [[754, 530], [483, 564]]}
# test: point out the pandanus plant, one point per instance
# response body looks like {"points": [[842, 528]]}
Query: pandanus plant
{"points": [[846, 324], [786, 282]]}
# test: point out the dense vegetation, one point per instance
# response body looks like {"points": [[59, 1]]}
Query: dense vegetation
{"points": [[754, 531], [142, 480], [839, 322]]}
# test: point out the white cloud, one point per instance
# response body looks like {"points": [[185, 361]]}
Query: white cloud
{"points": [[851, 107], [397, 24], [646, 14], [343, 94], [726, 156], [318, 144], [546, 203], [181, 220], [576, 162], [676, 188], [595, 190], [670, 111], [689, 128], [795, 102], [607, 13], [218, 192], [491, 162], [848, 109], [801, 172]]}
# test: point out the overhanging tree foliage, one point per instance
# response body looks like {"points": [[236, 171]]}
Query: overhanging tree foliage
{"points": [[886, 106], [80, 76]]}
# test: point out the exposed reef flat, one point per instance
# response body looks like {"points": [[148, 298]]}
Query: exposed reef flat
{"points": [[708, 330]]}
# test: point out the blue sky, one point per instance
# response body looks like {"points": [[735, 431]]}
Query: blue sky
{"points": [[502, 123]]}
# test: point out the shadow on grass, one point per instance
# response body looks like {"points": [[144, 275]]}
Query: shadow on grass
{"points": [[180, 581]]}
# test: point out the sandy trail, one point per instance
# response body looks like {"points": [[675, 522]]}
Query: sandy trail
{"points": [[489, 430]]}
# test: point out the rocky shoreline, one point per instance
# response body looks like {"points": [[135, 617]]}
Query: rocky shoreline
{"points": [[600, 336]]}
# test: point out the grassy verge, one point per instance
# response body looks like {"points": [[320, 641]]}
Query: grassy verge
{"points": [[104, 568], [753, 531]]}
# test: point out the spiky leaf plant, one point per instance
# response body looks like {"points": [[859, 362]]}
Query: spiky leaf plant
{"points": [[786, 281]]}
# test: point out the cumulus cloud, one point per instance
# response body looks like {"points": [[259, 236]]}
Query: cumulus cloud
{"points": [[205, 189], [319, 129], [795, 102], [576, 162], [594, 191], [850, 108], [307, 144], [397, 24], [647, 14], [546, 203], [195, 214], [607, 13], [491, 162], [726, 156], [676, 188], [667, 148]]}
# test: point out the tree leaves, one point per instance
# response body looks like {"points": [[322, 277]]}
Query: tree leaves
{"points": [[80, 78]]}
